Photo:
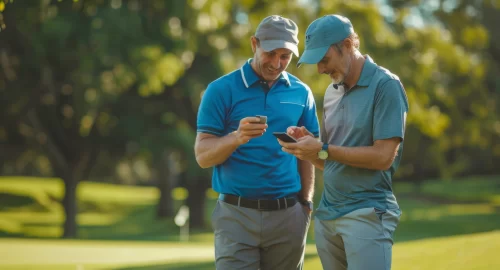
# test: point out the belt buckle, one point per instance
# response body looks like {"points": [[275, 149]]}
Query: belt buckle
{"points": [[264, 207]]}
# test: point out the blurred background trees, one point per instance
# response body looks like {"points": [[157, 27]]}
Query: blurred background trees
{"points": [[108, 90]]}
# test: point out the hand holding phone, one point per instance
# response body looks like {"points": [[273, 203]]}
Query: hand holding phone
{"points": [[284, 137], [298, 132], [250, 127], [262, 119]]}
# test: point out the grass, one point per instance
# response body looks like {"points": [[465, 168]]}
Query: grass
{"points": [[90, 254], [106, 211], [445, 225], [475, 251], [465, 190]]}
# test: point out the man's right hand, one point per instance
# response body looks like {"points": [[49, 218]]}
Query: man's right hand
{"points": [[249, 128], [298, 132]]}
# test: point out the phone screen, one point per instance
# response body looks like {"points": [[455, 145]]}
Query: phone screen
{"points": [[284, 137]]}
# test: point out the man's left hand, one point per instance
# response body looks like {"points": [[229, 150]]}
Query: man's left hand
{"points": [[306, 148], [308, 206]]}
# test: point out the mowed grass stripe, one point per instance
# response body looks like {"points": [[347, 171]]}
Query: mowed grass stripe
{"points": [[475, 251]]}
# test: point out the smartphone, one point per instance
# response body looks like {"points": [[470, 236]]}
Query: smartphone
{"points": [[262, 118], [284, 137]]}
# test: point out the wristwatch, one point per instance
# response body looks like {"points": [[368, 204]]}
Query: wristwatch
{"points": [[323, 153], [309, 204]]}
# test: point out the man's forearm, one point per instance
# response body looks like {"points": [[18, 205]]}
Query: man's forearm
{"points": [[213, 151], [318, 163], [366, 157], [306, 171]]}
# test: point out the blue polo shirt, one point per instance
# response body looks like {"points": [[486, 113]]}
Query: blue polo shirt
{"points": [[258, 169], [374, 109]]}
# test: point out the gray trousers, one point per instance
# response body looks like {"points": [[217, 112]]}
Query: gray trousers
{"points": [[359, 240], [267, 240]]}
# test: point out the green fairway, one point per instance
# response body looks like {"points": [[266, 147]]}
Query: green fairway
{"points": [[476, 251], [445, 225], [91, 254]]}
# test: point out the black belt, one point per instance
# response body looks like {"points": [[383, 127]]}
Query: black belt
{"points": [[264, 205]]}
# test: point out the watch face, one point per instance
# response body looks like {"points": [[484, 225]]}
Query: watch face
{"points": [[323, 154]]}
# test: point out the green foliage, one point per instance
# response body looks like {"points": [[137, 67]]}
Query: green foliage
{"points": [[123, 47], [453, 104], [123, 79]]}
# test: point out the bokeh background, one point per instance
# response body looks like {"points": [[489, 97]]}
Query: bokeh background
{"points": [[98, 105]]}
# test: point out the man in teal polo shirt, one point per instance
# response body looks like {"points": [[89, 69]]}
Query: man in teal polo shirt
{"points": [[263, 212], [361, 144]]}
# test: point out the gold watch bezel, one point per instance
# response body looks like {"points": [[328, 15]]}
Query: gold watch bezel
{"points": [[323, 154]]}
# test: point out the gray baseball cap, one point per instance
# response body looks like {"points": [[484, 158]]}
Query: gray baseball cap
{"points": [[276, 32]]}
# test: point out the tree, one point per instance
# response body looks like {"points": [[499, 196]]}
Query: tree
{"points": [[67, 84], [458, 49], [81, 80]]}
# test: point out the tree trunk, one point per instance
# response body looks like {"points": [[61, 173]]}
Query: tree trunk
{"points": [[196, 203], [70, 207], [167, 176], [62, 169]]}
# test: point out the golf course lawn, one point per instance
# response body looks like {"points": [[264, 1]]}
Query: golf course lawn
{"points": [[475, 251], [445, 225]]}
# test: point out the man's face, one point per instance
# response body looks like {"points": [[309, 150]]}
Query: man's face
{"points": [[336, 63], [269, 65]]}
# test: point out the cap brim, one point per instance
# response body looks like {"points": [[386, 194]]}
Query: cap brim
{"points": [[269, 45], [312, 56]]}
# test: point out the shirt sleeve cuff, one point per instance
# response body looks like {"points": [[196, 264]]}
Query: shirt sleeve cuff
{"points": [[210, 130]]}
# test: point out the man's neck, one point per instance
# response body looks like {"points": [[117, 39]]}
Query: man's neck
{"points": [[257, 72], [356, 67]]}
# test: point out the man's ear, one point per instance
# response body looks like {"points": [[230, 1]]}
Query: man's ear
{"points": [[349, 44], [253, 41]]}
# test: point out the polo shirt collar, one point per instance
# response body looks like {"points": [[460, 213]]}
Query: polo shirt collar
{"points": [[250, 77], [367, 72]]}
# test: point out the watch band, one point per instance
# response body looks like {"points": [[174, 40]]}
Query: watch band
{"points": [[325, 147]]}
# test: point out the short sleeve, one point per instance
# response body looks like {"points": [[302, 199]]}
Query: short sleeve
{"points": [[309, 118], [212, 110], [391, 108]]}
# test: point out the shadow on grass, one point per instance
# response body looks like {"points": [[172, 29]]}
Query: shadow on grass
{"points": [[187, 266], [141, 223], [423, 219], [9, 201], [134, 223], [447, 226], [137, 223]]}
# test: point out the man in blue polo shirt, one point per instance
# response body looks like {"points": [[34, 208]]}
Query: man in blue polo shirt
{"points": [[361, 144], [263, 212]]}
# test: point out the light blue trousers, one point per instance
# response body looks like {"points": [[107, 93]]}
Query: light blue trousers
{"points": [[360, 240]]}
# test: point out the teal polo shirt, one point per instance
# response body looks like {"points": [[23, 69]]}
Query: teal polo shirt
{"points": [[374, 109], [258, 169]]}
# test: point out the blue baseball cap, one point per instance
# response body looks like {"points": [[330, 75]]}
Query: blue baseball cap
{"points": [[321, 34]]}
